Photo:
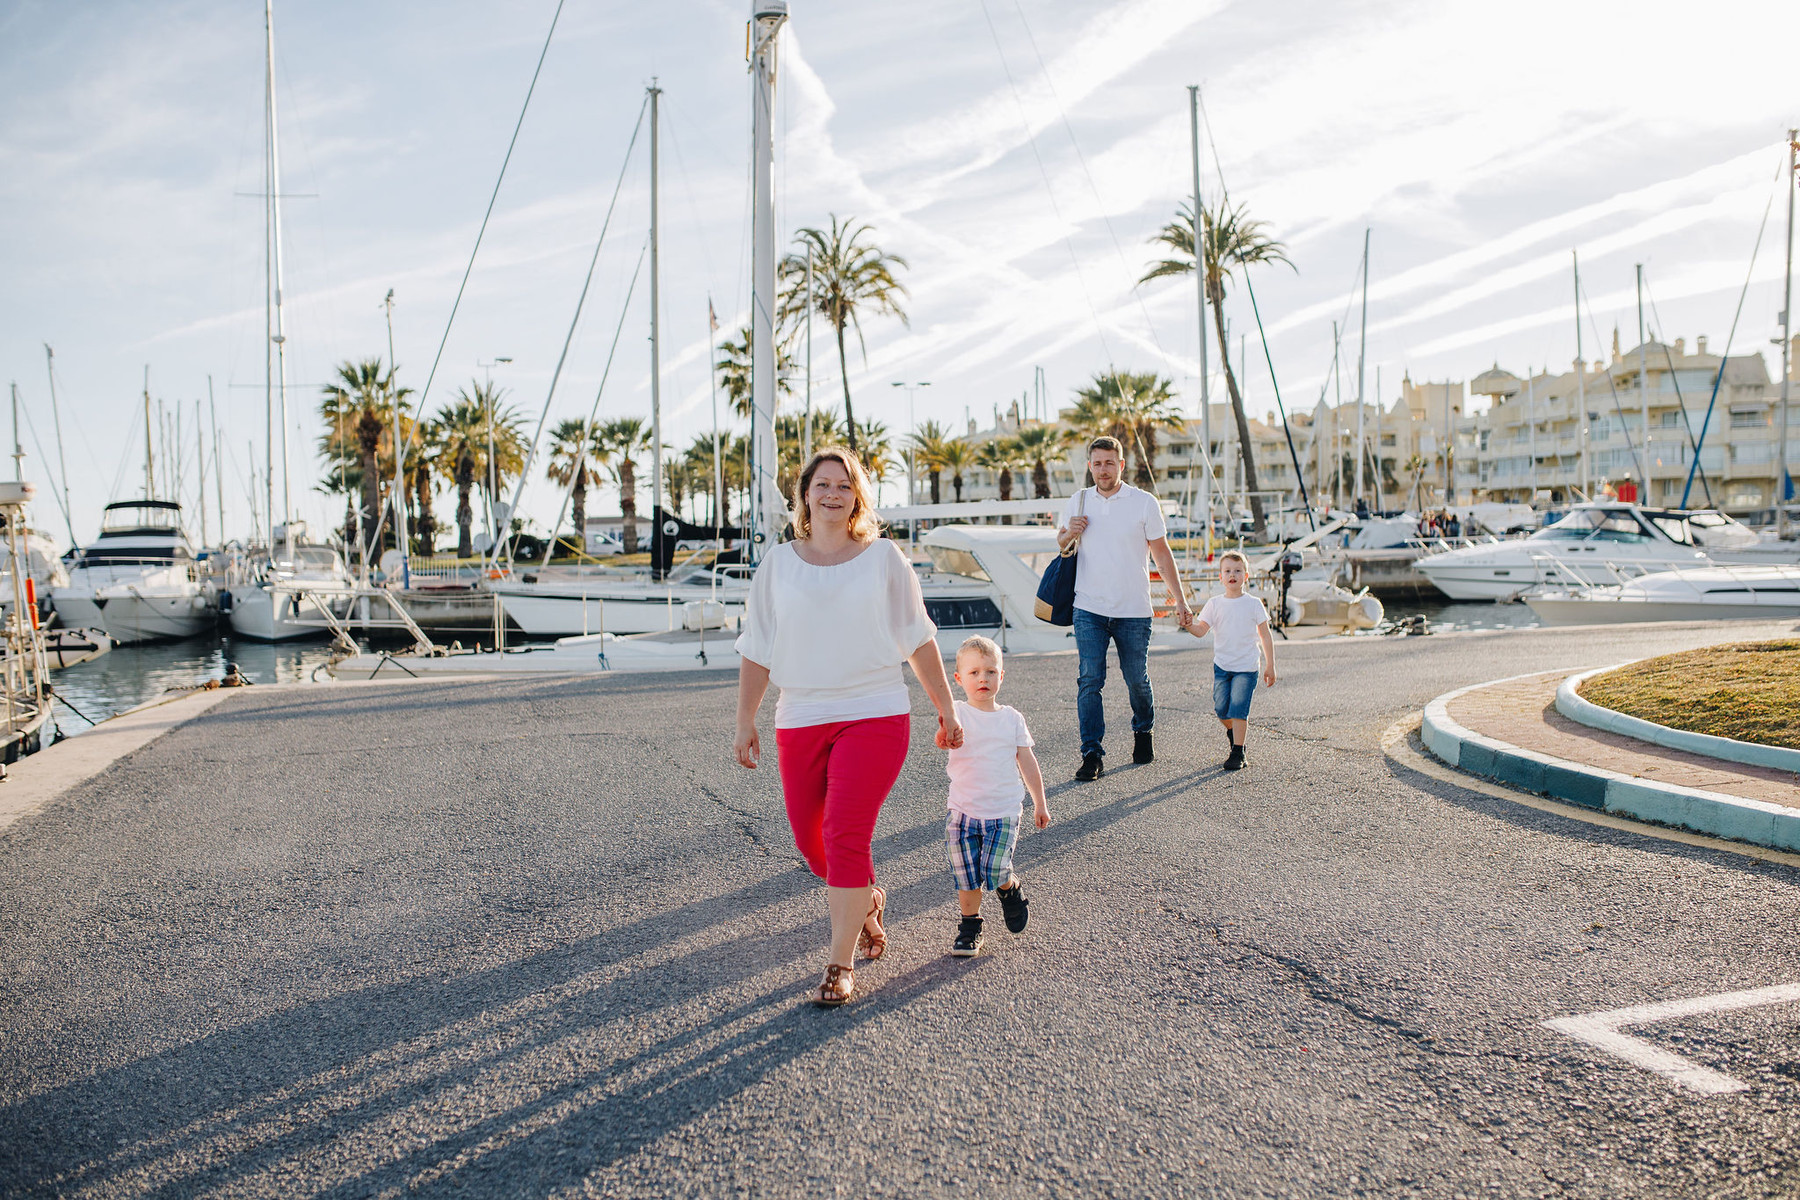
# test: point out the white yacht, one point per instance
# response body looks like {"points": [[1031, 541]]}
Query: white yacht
{"points": [[1700, 594], [137, 581], [1599, 544], [281, 602], [568, 603]]}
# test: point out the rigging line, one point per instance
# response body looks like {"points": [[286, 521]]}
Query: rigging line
{"points": [[594, 411], [56, 492], [482, 232], [1719, 379], [1624, 425], [1081, 158], [1031, 140], [1686, 422], [574, 323]]}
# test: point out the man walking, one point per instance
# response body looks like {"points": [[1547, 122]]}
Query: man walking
{"points": [[1120, 528]]}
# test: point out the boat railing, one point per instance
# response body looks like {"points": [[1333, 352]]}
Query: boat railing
{"points": [[1589, 573]]}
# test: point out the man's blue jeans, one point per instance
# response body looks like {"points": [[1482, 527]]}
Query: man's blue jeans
{"points": [[1132, 636]]}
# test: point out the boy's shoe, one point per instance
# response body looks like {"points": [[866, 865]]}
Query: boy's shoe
{"points": [[1013, 903], [968, 938], [1092, 768], [1235, 762], [1140, 748]]}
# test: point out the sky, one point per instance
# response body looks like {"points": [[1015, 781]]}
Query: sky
{"points": [[1017, 153]]}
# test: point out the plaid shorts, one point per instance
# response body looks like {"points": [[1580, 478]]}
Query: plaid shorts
{"points": [[981, 851]]}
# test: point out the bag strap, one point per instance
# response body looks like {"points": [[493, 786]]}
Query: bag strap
{"points": [[1080, 509]]}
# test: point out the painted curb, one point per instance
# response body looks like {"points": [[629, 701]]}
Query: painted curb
{"points": [[1571, 705], [1714, 813]]}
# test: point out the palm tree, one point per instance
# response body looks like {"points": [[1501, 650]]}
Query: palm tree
{"points": [[877, 451], [734, 372], [1416, 464], [1133, 407], [458, 453], [418, 468], [1037, 445], [1231, 240], [1000, 455], [360, 405], [848, 275], [574, 458], [928, 454], [958, 456], [1096, 414], [699, 457], [626, 438]]}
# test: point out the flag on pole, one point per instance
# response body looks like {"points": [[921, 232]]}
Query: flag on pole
{"points": [[712, 318]]}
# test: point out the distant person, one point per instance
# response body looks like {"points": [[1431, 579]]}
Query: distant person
{"points": [[1627, 491], [1120, 528], [1452, 526], [1241, 643], [985, 795], [1362, 509], [831, 617]]}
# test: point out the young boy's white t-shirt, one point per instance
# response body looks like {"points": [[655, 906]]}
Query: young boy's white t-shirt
{"points": [[1233, 623], [984, 771]]}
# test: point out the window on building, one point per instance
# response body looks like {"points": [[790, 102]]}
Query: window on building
{"points": [[1753, 419], [1387, 439]]}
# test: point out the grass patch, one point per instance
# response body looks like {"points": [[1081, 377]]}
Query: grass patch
{"points": [[1747, 690]]}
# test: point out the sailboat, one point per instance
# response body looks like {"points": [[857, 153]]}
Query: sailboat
{"points": [[295, 584]]}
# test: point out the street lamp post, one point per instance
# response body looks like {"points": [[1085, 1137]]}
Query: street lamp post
{"points": [[492, 483], [912, 390]]}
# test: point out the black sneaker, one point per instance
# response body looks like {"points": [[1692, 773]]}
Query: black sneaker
{"points": [[1092, 768], [1013, 903], [968, 938], [1228, 740], [1140, 748], [1235, 761]]}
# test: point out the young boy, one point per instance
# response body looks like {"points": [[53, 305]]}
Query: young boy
{"points": [[985, 807], [1240, 629]]}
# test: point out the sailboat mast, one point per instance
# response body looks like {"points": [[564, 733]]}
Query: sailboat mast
{"points": [[767, 18], [1206, 475], [218, 459], [1581, 416], [18, 455], [1782, 472], [62, 461], [149, 443], [1362, 349], [200, 466], [656, 458], [806, 426], [1643, 394], [278, 334]]}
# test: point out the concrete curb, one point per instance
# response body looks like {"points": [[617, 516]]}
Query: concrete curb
{"points": [[1596, 788], [1571, 705]]}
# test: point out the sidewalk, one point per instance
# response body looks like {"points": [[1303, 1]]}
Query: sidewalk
{"points": [[1522, 712]]}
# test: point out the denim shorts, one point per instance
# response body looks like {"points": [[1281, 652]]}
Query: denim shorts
{"points": [[1231, 693]]}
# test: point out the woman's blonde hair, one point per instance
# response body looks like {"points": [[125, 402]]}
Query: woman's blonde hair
{"points": [[864, 525]]}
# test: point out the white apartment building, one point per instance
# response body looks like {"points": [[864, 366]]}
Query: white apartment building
{"points": [[1521, 438]]}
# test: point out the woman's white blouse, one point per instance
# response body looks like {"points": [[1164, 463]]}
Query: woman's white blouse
{"points": [[835, 638]]}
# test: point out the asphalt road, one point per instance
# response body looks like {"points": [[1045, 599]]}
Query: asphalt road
{"points": [[542, 938]]}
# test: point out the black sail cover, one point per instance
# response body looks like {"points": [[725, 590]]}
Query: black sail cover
{"points": [[670, 529]]}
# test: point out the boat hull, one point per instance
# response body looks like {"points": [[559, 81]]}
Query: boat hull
{"points": [[1571, 610], [263, 614], [570, 614], [133, 618]]}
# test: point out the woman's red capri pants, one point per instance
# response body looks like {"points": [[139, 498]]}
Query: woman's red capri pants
{"points": [[834, 778]]}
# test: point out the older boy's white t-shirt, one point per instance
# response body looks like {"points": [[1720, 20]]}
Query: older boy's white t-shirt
{"points": [[984, 770], [1112, 571], [1233, 624]]}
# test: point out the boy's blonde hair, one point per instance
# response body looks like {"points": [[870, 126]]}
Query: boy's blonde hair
{"points": [[984, 646], [1236, 556]]}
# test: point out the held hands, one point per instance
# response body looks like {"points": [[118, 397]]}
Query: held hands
{"points": [[949, 733], [748, 746]]}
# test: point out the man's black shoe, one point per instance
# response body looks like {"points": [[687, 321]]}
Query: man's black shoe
{"points": [[968, 938], [1140, 748], [1013, 903], [1229, 740], [1092, 768], [1235, 761]]}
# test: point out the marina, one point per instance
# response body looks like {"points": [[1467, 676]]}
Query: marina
{"points": [[556, 553]]}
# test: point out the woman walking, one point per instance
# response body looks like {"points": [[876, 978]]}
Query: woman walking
{"points": [[832, 616]]}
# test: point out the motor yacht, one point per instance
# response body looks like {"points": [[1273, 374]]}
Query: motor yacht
{"points": [[569, 602], [137, 582], [1596, 544], [1696, 594]]}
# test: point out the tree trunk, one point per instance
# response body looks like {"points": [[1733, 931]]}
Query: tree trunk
{"points": [[937, 492], [1216, 294], [628, 503], [578, 509], [368, 440], [1040, 480], [844, 373], [1146, 440], [465, 512], [427, 524], [956, 485], [1006, 491]]}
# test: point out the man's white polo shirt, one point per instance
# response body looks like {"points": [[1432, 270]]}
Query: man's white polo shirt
{"points": [[1112, 572]]}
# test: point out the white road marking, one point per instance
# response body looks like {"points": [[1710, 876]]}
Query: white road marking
{"points": [[1601, 1030]]}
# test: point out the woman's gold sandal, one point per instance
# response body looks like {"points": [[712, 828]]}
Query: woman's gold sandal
{"points": [[838, 987], [873, 945]]}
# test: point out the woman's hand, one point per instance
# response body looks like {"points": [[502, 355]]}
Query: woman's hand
{"points": [[950, 732], [748, 746]]}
